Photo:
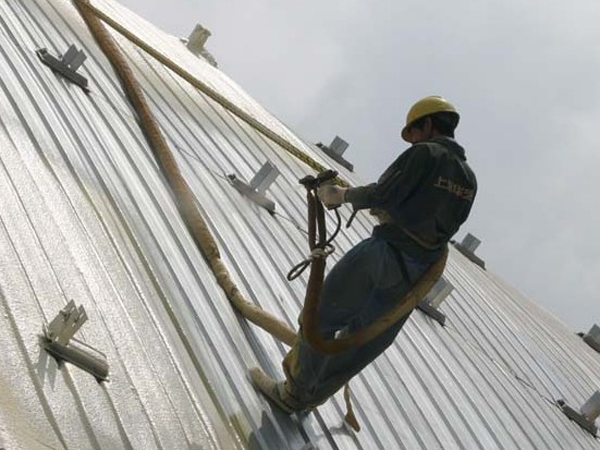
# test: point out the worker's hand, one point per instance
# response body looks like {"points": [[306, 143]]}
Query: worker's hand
{"points": [[331, 195]]}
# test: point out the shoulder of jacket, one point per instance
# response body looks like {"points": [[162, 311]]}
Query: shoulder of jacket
{"points": [[427, 149]]}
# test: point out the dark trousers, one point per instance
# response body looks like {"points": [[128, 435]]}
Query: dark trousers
{"points": [[365, 284]]}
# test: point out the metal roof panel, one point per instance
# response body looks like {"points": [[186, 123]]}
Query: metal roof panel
{"points": [[86, 214]]}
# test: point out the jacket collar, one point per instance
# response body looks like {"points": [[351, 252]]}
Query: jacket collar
{"points": [[451, 145]]}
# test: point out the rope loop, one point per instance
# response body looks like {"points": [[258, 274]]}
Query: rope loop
{"points": [[316, 253], [322, 253]]}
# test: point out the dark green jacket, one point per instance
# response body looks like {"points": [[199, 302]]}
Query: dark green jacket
{"points": [[427, 194]]}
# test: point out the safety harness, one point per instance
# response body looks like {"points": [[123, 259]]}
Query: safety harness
{"points": [[319, 251]]}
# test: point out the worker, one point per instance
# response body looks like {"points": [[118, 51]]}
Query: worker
{"points": [[420, 200]]}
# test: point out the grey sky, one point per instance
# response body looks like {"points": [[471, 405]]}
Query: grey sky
{"points": [[524, 74]]}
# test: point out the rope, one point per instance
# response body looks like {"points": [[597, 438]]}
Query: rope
{"points": [[303, 265], [186, 201], [350, 418], [97, 14]]}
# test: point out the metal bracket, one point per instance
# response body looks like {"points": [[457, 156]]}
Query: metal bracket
{"points": [[439, 292], [64, 326], [264, 178], [59, 342], [336, 150], [470, 242], [592, 338], [432, 312], [434, 299], [592, 343], [66, 65], [196, 42], [197, 39], [257, 188], [467, 248], [578, 417]]}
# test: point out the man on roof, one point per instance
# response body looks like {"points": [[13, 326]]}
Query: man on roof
{"points": [[420, 200]]}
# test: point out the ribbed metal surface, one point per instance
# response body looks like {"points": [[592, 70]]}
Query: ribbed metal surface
{"points": [[63, 237], [85, 214]]}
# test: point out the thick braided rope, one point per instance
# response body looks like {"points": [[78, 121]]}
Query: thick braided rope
{"points": [[185, 197]]}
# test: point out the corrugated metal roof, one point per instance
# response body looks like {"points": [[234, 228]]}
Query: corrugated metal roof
{"points": [[86, 214]]}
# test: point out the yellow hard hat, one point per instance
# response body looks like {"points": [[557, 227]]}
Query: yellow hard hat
{"points": [[424, 107]]}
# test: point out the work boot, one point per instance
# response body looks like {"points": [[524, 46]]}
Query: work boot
{"points": [[270, 388]]}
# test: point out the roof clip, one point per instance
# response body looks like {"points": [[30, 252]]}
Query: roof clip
{"points": [[59, 342], [592, 338], [434, 299], [64, 326], [467, 247], [336, 151], [257, 188], [196, 43], [66, 65], [586, 415]]}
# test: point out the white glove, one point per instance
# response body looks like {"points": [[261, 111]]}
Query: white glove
{"points": [[331, 195]]}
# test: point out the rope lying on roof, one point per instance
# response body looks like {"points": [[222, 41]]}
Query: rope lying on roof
{"points": [[207, 90], [184, 195]]}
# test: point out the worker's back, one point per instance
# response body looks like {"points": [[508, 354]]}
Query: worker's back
{"points": [[438, 199]]}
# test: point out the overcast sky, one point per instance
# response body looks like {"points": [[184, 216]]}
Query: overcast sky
{"points": [[524, 74]]}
